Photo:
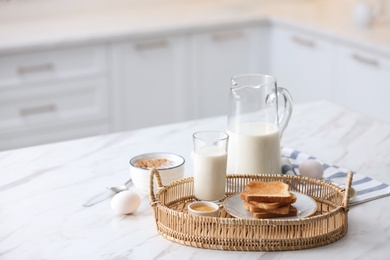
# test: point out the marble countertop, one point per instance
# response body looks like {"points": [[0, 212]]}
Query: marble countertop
{"points": [[42, 24], [43, 190]]}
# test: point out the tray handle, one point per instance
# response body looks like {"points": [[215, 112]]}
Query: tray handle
{"points": [[347, 190], [156, 174]]}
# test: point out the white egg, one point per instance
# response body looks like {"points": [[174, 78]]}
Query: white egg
{"points": [[312, 169], [125, 202]]}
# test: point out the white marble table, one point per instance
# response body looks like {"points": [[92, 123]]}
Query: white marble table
{"points": [[43, 189]]}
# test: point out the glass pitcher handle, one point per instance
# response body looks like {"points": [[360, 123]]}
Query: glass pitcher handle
{"points": [[285, 114]]}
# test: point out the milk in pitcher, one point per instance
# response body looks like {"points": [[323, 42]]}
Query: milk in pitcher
{"points": [[254, 148]]}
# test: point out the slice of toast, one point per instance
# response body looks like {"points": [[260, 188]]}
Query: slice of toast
{"points": [[273, 205], [267, 192], [261, 215], [283, 210]]}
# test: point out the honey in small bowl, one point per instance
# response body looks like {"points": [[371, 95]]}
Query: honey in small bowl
{"points": [[203, 208]]}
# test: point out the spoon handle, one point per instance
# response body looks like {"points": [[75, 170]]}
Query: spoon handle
{"points": [[130, 181]]}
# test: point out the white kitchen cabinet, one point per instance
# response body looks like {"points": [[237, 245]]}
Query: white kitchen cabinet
{"points": [[150, 75], [302, 62], [363, 82], [53, 95], [65, 93], [216, 57]]}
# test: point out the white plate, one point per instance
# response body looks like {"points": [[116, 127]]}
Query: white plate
{"points": [[305, 205]]}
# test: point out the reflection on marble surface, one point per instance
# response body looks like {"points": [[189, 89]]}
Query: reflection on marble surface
{"points": [[43, 190]]}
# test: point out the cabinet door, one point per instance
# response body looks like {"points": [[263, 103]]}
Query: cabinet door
{"points": [[363, 82], [302, 63], [51, 112], [219, 55], [149, 76]]}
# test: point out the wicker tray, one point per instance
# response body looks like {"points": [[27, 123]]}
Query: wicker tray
{"points": [[327, 225]]}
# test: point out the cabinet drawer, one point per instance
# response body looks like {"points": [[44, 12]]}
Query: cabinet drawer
{"points": [[364, 61], [363, 82], [46, 105], [54, 64]]}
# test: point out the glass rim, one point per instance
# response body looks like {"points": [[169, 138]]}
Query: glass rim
{"points": [[222, 135]]}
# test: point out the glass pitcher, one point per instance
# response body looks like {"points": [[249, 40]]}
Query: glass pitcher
{"points": [[259, 111]]}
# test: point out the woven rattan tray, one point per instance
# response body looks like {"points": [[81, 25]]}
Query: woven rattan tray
{"points": [[327, 225]]}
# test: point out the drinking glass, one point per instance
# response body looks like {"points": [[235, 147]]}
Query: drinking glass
{"points": [[210, 160]]}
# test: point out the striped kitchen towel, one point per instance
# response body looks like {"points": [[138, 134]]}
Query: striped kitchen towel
{"points": [[367, 189]]}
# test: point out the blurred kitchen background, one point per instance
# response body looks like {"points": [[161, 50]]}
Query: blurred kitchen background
{"points": [[72, 69]]}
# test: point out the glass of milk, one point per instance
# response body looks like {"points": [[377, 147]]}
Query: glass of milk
{"points": [[210, 161], [259, 111]]}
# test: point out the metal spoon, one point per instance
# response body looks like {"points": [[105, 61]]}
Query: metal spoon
{"points": [[121, 188], [104, 196]]}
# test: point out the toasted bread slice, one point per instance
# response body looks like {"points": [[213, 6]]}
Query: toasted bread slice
{"points": [[261, 215], [273, 205], [268, 201], [283, 210], [267, 192]]}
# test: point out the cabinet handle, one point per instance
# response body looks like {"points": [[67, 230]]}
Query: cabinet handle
{"points": [[304, 42], [37, 110], [144, 46], [365, 60], [35, 68], [227, 36]]}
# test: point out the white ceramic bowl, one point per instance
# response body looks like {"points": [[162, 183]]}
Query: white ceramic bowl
{"points": [[140, 176], [197, 208]]}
